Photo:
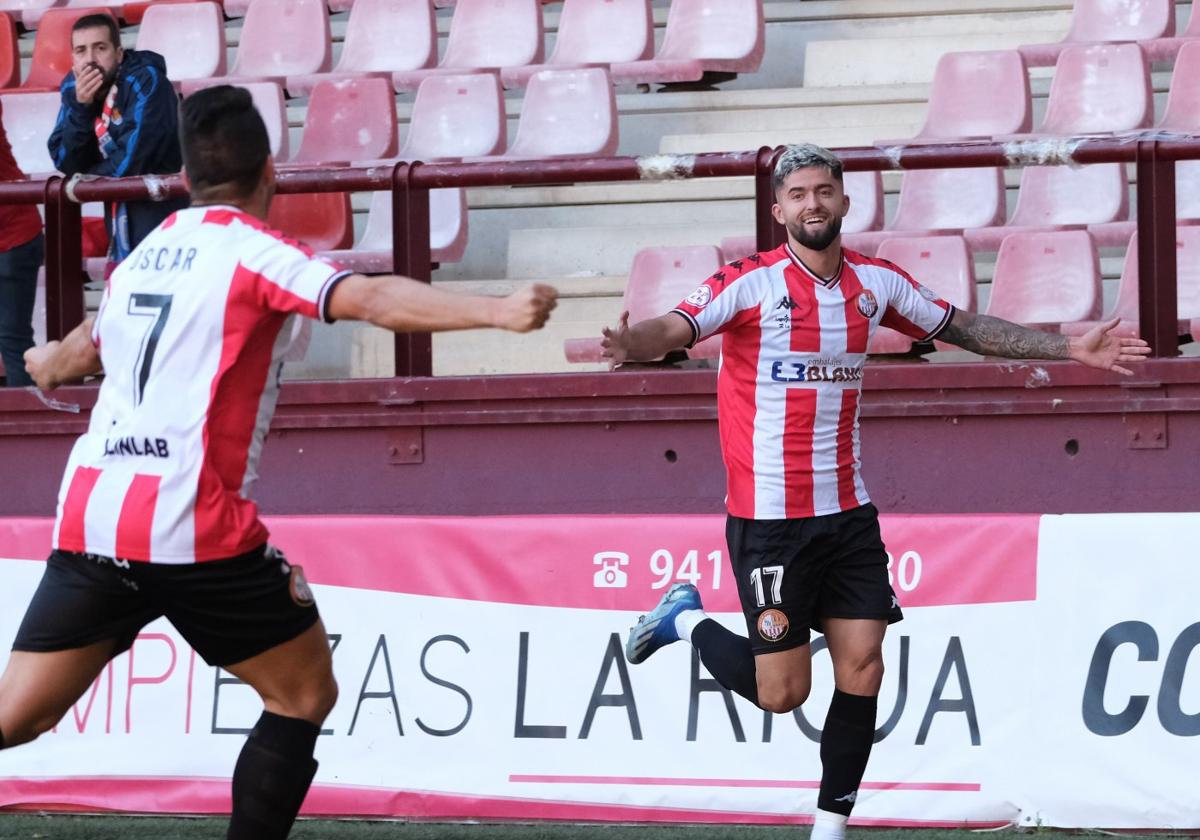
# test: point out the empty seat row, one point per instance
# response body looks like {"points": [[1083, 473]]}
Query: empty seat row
{"points": [[1149, 22]]}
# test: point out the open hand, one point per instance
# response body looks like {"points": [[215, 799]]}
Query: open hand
{"points": [[1099, 348], [35, 364], [527, 308], [615, 344]]}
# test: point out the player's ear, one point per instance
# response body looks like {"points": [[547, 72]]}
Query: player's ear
{"points": [[777, 212]]}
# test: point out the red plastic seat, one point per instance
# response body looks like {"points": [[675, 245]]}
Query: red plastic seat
{"points": [[28, 120], [322, 221], [1099, 89], [658, 280], [1049, 197], [974, 95], [281, 38], [1094, 21], [1047, 279], [16, 9], [33, 12], [190, 36], [52, 48], [722, 36], [382, 37], [567, 113], [10, 54], [486, 35], [350, 120], [1187, 273], [272, 107], [372, 254], [456, 116], [941, 263], [594, 32], [1182, 113]]}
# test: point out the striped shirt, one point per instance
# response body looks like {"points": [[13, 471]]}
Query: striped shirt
{"points": [[791, 373]]}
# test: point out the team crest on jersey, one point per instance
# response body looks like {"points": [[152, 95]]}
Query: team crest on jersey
{"points": [[866, 303], [773, 625], [298, 588], [700, 297]]}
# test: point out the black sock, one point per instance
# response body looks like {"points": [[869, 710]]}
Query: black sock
{"points": [[845, 747], [272, 776], [728, 657]]}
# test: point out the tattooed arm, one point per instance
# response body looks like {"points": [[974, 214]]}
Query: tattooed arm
{"points": [[990, 336]]}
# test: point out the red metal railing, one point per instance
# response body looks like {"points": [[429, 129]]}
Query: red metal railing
{"points": [[1154, 156]]}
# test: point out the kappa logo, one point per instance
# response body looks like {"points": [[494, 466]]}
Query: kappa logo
{"points": [[785, 302], [895, 602], [850, 797], [701, 297]]}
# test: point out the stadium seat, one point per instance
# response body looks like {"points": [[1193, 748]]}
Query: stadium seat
{"points": [[719, 36], [658, 280], [1099, 89], [16, 9], [1046, 279], [592, 32], [349, 120], [1166, 49], [33, 12], [942, 263], [455, 117], [1182, 113], [52, 48], [10, 54], [236, 8], [133, 13], [382, 37], [1049, 197], [567, 113], [1094, 21], [190, 36], [1187, 273], [486, 35], [28, 120], [372, 254], [976, 95], [322, 221], [280, 38]]}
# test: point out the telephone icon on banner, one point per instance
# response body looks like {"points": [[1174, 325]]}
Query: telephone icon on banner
{"points": [[610, 575]]}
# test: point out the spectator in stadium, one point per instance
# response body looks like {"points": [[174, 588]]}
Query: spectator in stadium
{"points": [[118, 117], [804, 538], [153, 516], [21, 247]]}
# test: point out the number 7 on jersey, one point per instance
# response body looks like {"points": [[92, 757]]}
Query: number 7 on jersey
{"points": [[157, 307]]}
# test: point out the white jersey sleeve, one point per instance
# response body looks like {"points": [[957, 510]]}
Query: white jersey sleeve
{"points": [[913, 309], [725, 300], [288, 277]]}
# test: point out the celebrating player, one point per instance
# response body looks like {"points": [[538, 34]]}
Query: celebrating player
{"points": [[803, 535], [153, 514]]}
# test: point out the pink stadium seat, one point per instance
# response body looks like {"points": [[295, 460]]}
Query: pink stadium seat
{"points": [[1183, 100], [567, 113], [372, 254], [16, 9], [52, 48], [190, 36], [10, 54], [594, 32], [456, 116], [1095, 21], [486, 35], [281, 38], [28, 120], [720, 36], [382, 37], [1187, 261], [272, 107], [942, 263], [32, 13], [322, 221], [658, 280], [133, 13], [1099, 89], [1165, 49], [236, 8], [974, 95], [1046, 279], [1049, 197], [349, 120]]}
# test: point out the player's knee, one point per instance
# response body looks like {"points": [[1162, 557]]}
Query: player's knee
{"points": [[781, 698], [320, 699], [864, 674]]}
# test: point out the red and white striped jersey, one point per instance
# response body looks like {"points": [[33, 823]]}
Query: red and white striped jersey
{"points": [[191, 331], [791, 373]]}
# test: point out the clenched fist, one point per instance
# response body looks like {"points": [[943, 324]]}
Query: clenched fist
{"points": [[526, 309]]}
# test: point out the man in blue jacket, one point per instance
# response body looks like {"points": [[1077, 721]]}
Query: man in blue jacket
{"points": [[119, 116]]}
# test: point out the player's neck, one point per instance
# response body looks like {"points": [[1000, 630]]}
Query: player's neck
{"points": [[824, 263], [250, 206]]}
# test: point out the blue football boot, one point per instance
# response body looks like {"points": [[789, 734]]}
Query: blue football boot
{"points": [[657, 628]]}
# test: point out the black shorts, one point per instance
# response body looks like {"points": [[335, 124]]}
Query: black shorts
{"points": [[792, 573], [227, 610]]}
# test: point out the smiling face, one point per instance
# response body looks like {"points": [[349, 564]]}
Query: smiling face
{"points": [[811, 204]]}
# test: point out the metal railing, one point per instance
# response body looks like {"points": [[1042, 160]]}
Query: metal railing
{"points": [[1154, 155]]}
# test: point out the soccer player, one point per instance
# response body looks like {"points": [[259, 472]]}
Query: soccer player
{"points": [[153, 514], [803, 535]]}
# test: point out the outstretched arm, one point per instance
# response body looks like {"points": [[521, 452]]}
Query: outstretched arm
{"points": [[401, 304], [645, 341], [59, 362], [990, 336]]}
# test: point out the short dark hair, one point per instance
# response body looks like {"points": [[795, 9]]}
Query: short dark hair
{"points": [[98, 21], [224, 141]]}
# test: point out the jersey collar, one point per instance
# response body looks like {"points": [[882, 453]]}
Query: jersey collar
{"points": [[827, 282]]}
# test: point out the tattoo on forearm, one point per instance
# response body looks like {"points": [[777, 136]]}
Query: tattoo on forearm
{"points": [[991, 336]]}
